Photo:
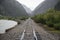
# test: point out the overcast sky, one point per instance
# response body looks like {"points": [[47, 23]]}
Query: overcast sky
{"points": [[32, 4]]}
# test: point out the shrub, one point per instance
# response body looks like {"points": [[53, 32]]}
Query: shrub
{"points": [[49, 23], [36, 18], [39, 18], [57, 26], [50, 18], [23, 18]]}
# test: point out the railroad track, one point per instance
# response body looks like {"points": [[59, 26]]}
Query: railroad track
{"points": [[29, 32], [29, 36]]}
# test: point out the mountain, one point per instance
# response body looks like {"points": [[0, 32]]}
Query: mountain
{"points": [[44, 6], [57, 7], [28, 10], [12, 8]]}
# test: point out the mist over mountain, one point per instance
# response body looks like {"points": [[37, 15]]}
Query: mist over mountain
{"points": [[12, 8], [44, 6], [28, 10]]}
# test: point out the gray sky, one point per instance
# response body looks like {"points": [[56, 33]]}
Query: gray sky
{"points": [[32, 4]]}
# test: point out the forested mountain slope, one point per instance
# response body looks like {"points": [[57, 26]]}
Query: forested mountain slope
{"points": [[44, 6], [12, 8], [57, 7]]}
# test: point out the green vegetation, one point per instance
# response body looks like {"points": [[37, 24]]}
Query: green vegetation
{"points": [[50, 18], [23, 18], [51, 29], [18, 19]]}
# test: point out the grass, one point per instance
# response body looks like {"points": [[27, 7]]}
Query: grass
{"points": [[50, 29], [17, 19]]}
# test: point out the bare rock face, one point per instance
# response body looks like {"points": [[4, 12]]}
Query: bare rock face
{"points": [[44, 6], [12, 8]]}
